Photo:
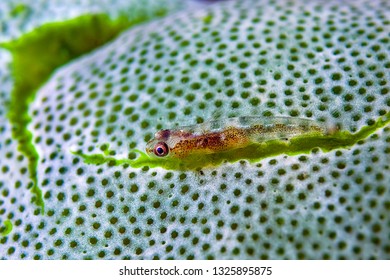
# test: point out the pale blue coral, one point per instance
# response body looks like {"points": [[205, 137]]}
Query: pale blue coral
{"points": [[317, 205]]}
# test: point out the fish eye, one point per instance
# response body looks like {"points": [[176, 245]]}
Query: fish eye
{"points": [[161, 149]]}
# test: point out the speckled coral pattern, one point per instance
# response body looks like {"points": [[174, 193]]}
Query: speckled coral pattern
{"points": [[325, 60]]}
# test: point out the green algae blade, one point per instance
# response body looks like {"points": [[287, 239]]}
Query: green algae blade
{"points": [[254, 153], [36, 55], [6, 228]]}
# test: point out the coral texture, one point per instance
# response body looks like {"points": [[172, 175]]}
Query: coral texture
{"points": [[324, 60]]}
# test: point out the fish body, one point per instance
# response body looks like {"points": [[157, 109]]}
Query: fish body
{"points": [[227, 134]]}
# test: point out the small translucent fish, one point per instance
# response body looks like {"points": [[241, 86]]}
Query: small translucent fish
{"points": [[227, 134]]}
